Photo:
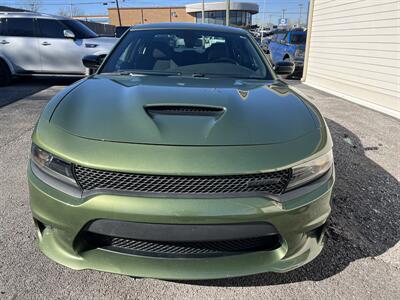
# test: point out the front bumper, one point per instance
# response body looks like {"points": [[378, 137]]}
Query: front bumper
{"points": [[61, 217], [299, 66]]}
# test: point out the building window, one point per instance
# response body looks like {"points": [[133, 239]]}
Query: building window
{"points": [[237, 18]]}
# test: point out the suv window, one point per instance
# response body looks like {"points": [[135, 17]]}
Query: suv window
{"points": [[280, 37], [286, 37], [298, 38], [80, 30], [19, 27], [51, 28], [1, 26]]}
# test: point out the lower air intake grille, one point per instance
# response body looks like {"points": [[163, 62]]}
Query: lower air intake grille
{"points": [[262, 183], [183, 249]]}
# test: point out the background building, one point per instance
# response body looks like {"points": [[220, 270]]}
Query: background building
{"points": [[142, 15], [215, 12], [353, 51]]}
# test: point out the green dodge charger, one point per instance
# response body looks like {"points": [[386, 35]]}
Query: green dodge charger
{"points": [[182, 157]]}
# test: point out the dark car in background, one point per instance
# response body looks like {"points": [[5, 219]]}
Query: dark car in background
{"points": [[120, 30], [289, 46]]}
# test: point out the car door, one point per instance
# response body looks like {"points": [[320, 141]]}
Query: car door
{"points": [[19, 44], [58, 53], [275, 45], [282, 47], [272, 46]]}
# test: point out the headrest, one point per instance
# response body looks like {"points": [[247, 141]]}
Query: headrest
{"points": [[217, 50], [161, 51]]}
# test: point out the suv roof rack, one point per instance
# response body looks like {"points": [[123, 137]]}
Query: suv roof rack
{"points": [[29, 14]]}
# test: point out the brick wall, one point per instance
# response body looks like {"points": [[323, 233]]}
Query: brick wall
{"points": [[132, 16]]}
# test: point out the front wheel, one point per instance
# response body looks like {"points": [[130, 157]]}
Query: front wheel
{"points": [[287, 59], [5, 74]]}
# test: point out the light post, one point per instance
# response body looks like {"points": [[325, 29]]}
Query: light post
{"points": [[119, 13], [301, 9], [202, 12], [264, 18], [228, 7]]}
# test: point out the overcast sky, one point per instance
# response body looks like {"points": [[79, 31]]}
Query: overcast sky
{"points": [[95, 7]]}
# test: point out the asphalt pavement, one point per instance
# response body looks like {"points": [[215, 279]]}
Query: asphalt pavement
{"points": [[361, 259]]}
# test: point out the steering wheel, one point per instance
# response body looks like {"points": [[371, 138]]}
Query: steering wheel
{"points": [[225, 59]]}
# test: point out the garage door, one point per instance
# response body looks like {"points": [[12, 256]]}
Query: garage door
{"points": [[353, 51]]}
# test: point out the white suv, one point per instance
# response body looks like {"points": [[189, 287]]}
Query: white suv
{"points": [[34, 43]]}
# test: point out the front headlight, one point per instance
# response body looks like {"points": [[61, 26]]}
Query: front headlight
{"points": [[299, 53], [310, 170], [52, 165], [91, 45]]}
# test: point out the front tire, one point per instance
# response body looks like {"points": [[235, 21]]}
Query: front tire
{"points": [[287, 59], [5, 74]]}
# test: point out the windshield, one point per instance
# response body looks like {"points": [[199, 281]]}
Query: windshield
{"points": [[187, 52], [80, 30], [298, 38]]}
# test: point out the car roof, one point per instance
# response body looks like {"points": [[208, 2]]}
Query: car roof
{"points": [[190, 26], [29, 14]]}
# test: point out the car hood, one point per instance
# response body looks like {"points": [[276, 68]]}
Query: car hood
{"points": [[183, 111]]}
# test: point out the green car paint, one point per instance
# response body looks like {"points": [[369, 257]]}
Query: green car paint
{"points": [[101, 122]]}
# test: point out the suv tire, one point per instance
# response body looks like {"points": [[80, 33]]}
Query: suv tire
{"points": [[5, 74], [287, 76]]}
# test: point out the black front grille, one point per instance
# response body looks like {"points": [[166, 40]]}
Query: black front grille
{"points": [[262, 183], [182, 249]]}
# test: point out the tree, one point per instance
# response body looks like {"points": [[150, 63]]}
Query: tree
{"points": [[70, 11], [33, 5]]}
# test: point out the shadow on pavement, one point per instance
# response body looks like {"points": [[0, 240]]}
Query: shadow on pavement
{"points": [[26, 86], [365, 221]]}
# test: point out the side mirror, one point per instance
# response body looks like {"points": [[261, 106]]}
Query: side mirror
{"points": [[93, 61], [69, 34], [284, 68]]}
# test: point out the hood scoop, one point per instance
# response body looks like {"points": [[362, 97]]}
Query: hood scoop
{"points": [[184, 110]]}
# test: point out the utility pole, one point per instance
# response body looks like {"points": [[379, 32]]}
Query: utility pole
{"points": [[301, 10], [70, 8], [308, 13], [264, 18], [283, 13], [202, 11], [119, 13], [228, 7]]}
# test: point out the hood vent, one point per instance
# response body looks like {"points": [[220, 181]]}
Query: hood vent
{"points": [[184, 110]]}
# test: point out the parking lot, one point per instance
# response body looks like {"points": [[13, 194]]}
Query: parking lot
{"points": [[361, 258]]}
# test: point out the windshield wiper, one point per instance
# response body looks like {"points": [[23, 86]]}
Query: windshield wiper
{"points": [[135, 72], [198, 75], [201, 75]]}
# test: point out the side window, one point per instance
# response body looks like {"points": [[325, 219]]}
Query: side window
{"points": [[20, 27], [287, 37], [1, 26], [51, 29]]}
